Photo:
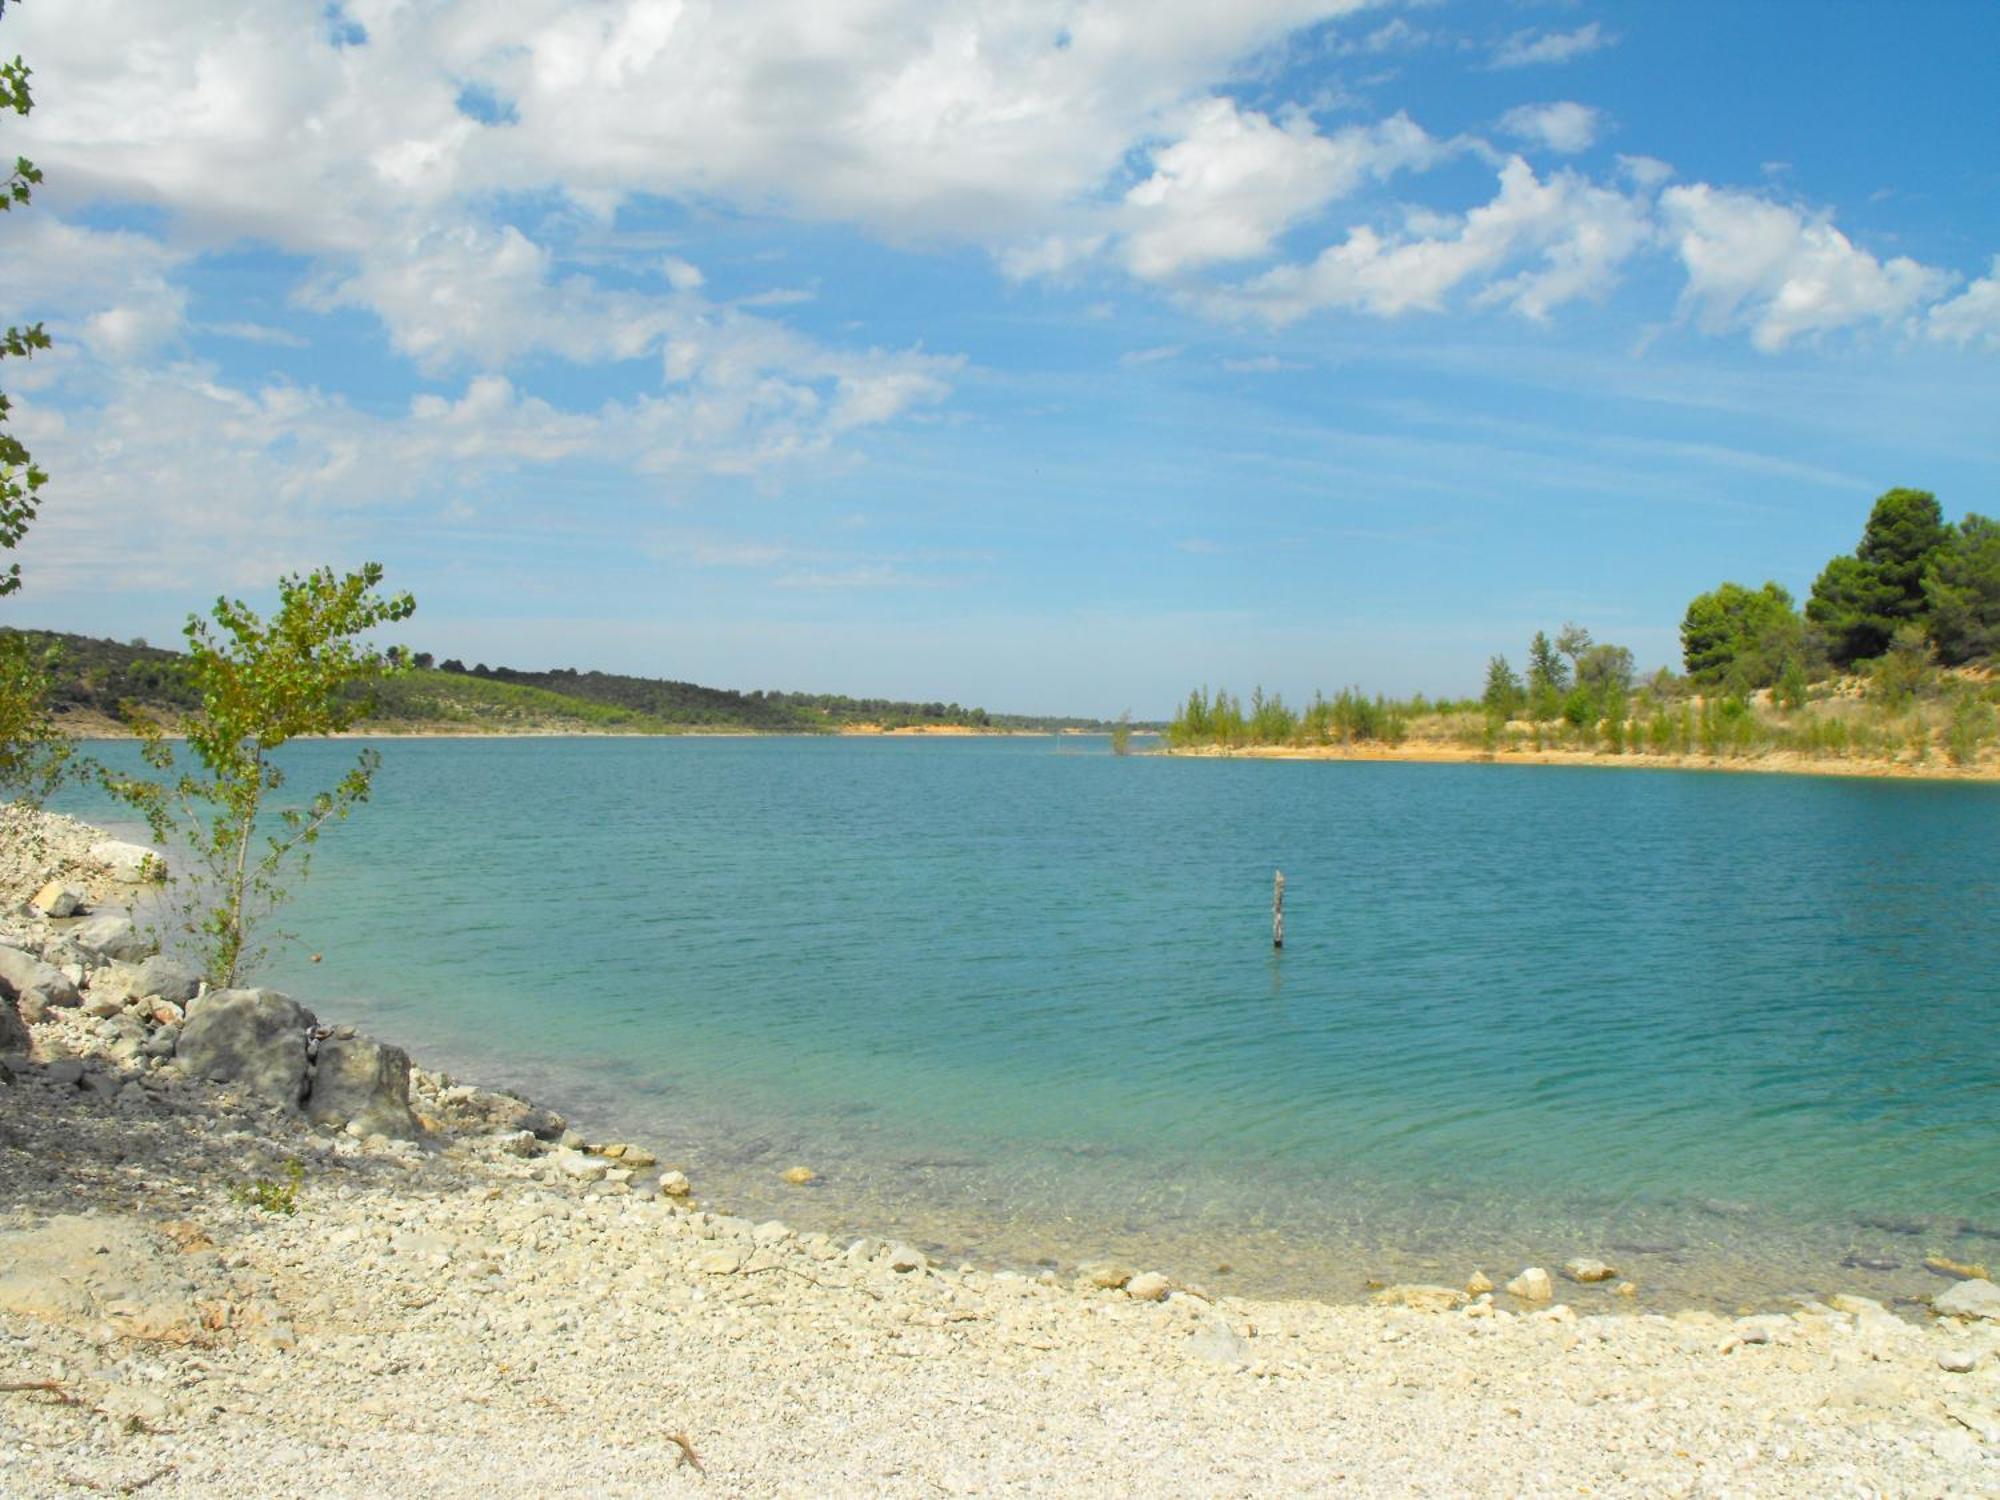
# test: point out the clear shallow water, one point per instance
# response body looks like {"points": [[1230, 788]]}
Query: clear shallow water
{"points": [[1016, 998]]}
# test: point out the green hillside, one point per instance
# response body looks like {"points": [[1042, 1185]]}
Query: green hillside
{"points": [[96, 677]]}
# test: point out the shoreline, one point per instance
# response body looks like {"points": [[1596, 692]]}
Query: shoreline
{"points": [[480, 1306], [1410, 752], [83, 727], [1777, 763]]}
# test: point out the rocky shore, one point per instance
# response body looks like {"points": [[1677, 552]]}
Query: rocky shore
{"points": [[246, 1251]]}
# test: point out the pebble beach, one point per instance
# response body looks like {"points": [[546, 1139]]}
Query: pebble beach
{"points": [[244, 1251]]}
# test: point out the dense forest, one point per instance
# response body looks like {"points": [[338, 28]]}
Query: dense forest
{"points": [[1892, 658], [105, 677]]}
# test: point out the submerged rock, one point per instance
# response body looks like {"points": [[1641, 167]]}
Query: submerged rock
{"points": [[1478, 1284], [1940, 1265], [1587, 1270]]}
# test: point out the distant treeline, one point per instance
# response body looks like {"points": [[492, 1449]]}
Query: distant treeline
{"points": [[1890, 658], [106, 676], [770, 710]]}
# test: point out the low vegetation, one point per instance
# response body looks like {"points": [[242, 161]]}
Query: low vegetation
{"points": [[1892, 660], [272, 1197]]}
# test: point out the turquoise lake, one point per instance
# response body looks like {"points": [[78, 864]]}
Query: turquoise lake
{"points": [[1015, 999]]}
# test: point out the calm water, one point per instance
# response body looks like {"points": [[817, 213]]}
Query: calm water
{"points": [[1016, 999]]}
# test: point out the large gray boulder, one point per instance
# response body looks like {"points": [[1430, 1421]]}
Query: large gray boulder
{"points": [[159, 975], [109, 937], [168, 978], [23, 971], [254, 1038], [363, 1082]]}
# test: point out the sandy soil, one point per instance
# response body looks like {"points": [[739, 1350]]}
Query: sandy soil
{"points": [[1777, 762]]}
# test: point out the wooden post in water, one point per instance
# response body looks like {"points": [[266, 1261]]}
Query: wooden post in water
{"points": [[1278, 911]]}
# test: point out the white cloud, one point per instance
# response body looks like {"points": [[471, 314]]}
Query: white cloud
{"points": [[112, 287], [1567, 126], [1645, 171], [1396, 35], [245, 122], [1527, 48], [1050, 255], [1569, 236], [254, 333], [1755, 264], [681, 275], [1133, 358], [1260, 364], [1235, 180], [904, 115], [1972, 318]]}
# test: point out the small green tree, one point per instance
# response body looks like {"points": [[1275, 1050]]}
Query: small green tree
{"points": [[1271, 722], [1121, 734], [1548, 678], [1504, 695], [304, 672], [1194, 724], [1605, 671], [1572, 641]]}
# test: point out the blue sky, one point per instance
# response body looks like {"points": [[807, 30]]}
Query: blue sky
{"points": [[1047, 355]]}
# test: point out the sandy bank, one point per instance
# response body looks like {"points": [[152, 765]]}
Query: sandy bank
{"points": [[478, 1312], [1788, 763]]}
